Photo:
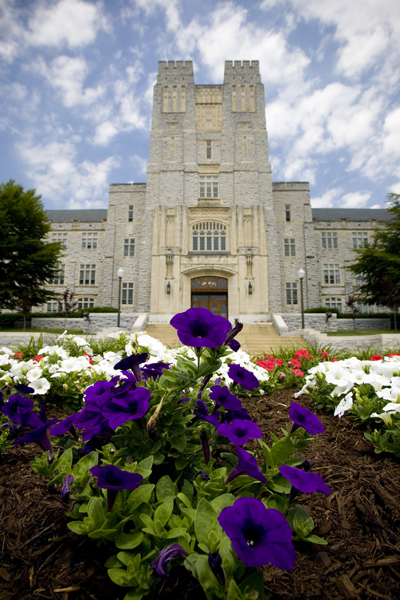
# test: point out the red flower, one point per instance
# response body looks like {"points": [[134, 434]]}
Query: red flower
{"points": [[377, 357], [19, 354], [38, 358], [389, 355], [302, 354], [297, 372], [266, 364], [324, 354], [333, 360], [89, 357], [294, 362]]}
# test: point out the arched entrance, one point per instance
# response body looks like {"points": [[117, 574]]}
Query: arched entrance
{"points": [[211, 293]]}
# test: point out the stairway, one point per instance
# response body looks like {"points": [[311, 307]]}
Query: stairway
{"points": [[254, 339]]}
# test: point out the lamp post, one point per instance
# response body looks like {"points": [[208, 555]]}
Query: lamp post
{"points": [[300, 274], [120, 274]]}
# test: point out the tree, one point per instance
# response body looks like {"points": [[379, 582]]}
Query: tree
{"points": [[379, 263], [27, 260], [68, 304], [351, 303]]}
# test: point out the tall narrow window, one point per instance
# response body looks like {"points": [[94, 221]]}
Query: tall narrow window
{"points": [[87, 275], [291, 293], [165, 98], [329, 239], [234, 99], [129, 247], [242, 98], [53, 307], [252, 99], [130, 213], [208, 149], [127, 293], [245, 145], [287, 213], [360, 239], [62, 238], [174, 99], [290, 246], [183, 98], [209, 186], [89, 241], [331, 273]]}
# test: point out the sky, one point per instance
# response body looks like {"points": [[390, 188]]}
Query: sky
{"points": [[77, 77]]}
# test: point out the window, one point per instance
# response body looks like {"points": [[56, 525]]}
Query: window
{"points": [[129, 247], [291, 293], [290, 246], [208, 149], [208, 186], [130, 213], [62, 238], [334, 303], [329, 239], [89, 241], [61, 276], [87, 275], [85, 302], [366, 309], [53, 307], [360, 279], [331, 273], [360, 239], [209, 236], [287, 213], [127, 293]]}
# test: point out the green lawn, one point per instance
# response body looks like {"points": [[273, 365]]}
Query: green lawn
{"points": [[359, 332], [29, 330]]}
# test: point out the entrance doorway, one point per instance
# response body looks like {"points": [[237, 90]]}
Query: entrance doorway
{"points": [[210, 293]]}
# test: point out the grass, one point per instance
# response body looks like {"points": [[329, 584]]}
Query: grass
{"points": [[30, 330], [351, 332]]}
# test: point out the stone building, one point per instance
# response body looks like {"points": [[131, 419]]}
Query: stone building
{"points": [[210, 228]]}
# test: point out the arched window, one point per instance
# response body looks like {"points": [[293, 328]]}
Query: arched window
{"points": [[209, 236]]}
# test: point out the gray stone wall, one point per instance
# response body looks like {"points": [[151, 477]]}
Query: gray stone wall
{"points": [[100, 321], [311, 321], [58, 323], [347, 324]]}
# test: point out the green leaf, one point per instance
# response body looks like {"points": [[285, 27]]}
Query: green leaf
{"points": [[87, 462], [206, 522], [181, 463], [221, 502], [140, 495], [268, 459], [166, 489], [133, 594], [113, 563], [78, 527], [63, 466], [164, 512], [129, 541], [233, 591], [253, 583], [277, 502], [176, 532], [198, 565], [185, 500], [280, 484], [315, 539], [103, 534], [178, 442], [148, 523], [97, 512], [119, 576], [281, 450]]}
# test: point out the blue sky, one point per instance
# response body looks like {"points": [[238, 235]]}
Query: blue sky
{"points": [[76, 80]]}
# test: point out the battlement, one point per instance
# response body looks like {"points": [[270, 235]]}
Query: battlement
{"points": [[246, 70], [170, 71]]}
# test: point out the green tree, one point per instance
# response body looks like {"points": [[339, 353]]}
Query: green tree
{"points": [[379, 263], [27, 260]]}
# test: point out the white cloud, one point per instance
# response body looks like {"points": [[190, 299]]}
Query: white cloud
{"points": [[62, 179], [170, 8], [105, 133], [355, 200], [67, 75], [73, 23], [140, 163], [327, 200]]}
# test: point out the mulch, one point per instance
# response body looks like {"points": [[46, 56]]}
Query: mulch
{"points": [[41, 558]]}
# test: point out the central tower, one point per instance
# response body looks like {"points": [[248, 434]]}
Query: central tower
{"points": [[209, 196]]}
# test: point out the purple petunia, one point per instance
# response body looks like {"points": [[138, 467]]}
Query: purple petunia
{"points": [[16, 406], [164, 556], [100, 392], [113, 479], [247, 465], [201, 412], [38, 436], [259, 535], [247, 380], [65, 425], [242, 414], [66, 486], [131, 405], [234, 345], [154, 370], [198, 327], [303, 481], [132, 363], [302, 417], [239, 432], [222, 396]]}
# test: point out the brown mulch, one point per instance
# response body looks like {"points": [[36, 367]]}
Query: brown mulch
{"points": [[41, 558]]}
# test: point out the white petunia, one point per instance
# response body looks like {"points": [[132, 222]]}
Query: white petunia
{"points": [[392, 406], [34, 374], [41, 386], [386, 417], [344, 405]]}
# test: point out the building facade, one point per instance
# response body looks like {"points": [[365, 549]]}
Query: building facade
{"points": [[210, 228]]}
